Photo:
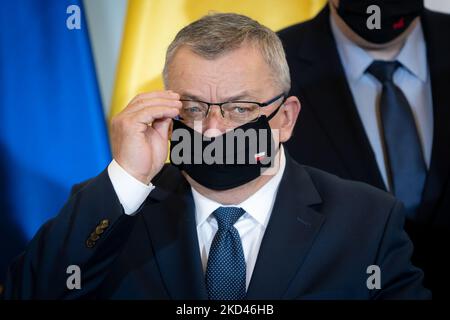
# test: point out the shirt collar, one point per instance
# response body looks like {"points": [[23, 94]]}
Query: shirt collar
{"points": [[258, 206], [356, 60], [413, 55]]}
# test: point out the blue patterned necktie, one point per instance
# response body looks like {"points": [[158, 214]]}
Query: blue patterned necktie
{"points": [[405, 162], [226, 269]]}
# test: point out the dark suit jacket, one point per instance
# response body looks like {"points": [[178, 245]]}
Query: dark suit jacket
{"points": [[323, 234], [329, 134]]}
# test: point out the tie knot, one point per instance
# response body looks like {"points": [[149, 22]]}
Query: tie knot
{"points": [[383, 70], [227, 216]]}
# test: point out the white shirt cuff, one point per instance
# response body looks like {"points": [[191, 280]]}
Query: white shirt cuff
{"points": [[130, 191]]}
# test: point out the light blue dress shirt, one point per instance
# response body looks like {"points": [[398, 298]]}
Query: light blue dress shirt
{"points": [[412, 78]]}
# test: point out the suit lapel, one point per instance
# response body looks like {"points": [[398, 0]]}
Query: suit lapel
{"points": [[324, 89], [290, 233], [170, 221], [438, 52]]}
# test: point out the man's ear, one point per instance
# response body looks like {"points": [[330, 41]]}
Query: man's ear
{"points": [[288, 117]]}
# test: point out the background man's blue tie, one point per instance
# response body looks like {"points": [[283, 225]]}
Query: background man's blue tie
{"points": [[406, 166], [225, 271]]}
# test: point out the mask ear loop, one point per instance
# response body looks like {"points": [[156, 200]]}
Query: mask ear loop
{"points": [[273, 114]]}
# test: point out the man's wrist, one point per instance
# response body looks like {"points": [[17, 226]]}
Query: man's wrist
{"points": [[130, 191]]}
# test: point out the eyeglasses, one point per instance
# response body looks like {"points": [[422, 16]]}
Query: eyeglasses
{"points": [[233, 112]]}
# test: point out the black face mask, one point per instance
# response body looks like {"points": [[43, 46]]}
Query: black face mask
{"points": [[233, 165], [395, 16]]}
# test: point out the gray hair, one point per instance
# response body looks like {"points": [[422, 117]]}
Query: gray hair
{"points": [[218, 33]]}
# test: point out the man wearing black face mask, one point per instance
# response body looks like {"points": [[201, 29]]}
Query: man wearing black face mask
{"points": [[219, 222], [373, 79]]}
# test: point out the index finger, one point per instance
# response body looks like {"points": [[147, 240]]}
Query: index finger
{"points": [[166, 94]]}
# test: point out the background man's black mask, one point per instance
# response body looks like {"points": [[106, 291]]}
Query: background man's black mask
{"points": [[396, 17]]}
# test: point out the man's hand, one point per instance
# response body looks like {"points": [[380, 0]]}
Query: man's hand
{"points": [[140, 133]]}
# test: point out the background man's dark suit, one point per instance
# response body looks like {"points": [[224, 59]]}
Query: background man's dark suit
{"points": [[329, 133], [323, 234]]}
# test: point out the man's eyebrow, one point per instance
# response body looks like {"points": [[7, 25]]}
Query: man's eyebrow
{"points": [[241, 96], [188, 96], [237, 97]]}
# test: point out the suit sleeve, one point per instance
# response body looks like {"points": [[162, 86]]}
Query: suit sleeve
{"points": [[88, 232], [399, 278]]}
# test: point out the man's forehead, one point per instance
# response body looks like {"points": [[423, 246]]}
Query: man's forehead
{"points": [[245, 57], [240, 73], [225, 88]]}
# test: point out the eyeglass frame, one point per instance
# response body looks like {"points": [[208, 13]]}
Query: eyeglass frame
{"points": [[220, 104]]}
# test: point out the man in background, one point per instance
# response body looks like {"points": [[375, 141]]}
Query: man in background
{"points": [[374, 78]]}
